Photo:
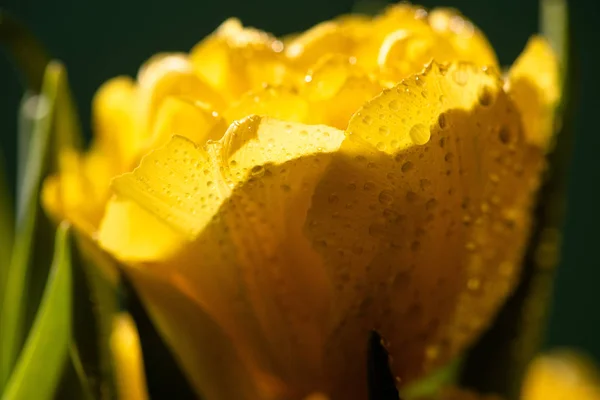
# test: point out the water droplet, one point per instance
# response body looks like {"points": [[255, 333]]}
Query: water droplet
{"points": [[380, 146], [384, 130], [448, 157], [415, 246], [333, 198], [377, 229], [411, 196], [357, 249], [351, 187], [473, 284], [424, 184], [442, 121], [386, 197], [257, 170], [485, 96], [407, 166], [461, 75], [286, 188], [504, 135], [368, 186], [467, 219], [431, 204], [367, 120], [420, 134], [432, 352], [209, 183], [485, 207]]}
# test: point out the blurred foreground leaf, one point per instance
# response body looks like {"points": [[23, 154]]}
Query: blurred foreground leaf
{"points": [[46, 350], [13, 304], [51, 120]]}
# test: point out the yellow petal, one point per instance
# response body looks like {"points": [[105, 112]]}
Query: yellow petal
{"points": [[403, 53], [336, 88], [167, 75], [207, 354], [78, 191], [132, 234], [171, 181], [468, 41], [262, 178], [128, 360], [397, 17], [425, 215], [113, 112], [561, 375], [182, 117], [281, 102], [324, 38], [236, 59], [534, 85]]}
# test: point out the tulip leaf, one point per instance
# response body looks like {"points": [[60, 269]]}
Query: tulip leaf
{"points": [[14, 303], [49, 116], [40, 365]]}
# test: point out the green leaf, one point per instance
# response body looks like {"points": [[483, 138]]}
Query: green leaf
{"points": [[53, 124], [40, 366], [429, 386], [13, 304]]}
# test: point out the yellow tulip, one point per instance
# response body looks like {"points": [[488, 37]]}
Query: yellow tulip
{"points": [[376, 174]]}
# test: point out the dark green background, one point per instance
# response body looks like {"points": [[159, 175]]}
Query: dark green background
{"points": [[101, 39]]}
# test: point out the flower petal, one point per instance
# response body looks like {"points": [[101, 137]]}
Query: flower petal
{"points": [[132, 234], [326, 37], [336, 88], [247, 224], [113, 111], [127, 358], [209, 357], [281, 102], [235, 59], [468, 41], [534, 85], [79, 190], [425, 214], [561, 375], [193, 120], [171, 75]]}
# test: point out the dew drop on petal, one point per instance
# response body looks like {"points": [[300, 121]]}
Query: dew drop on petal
{"points": [[407, 166], [420, 134], [386, 197]]}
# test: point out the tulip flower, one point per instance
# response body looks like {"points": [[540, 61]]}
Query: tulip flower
{"points": [[273, 201]]}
